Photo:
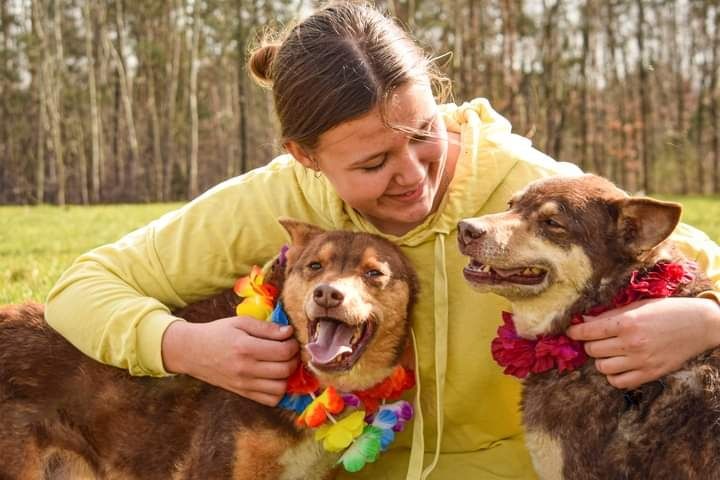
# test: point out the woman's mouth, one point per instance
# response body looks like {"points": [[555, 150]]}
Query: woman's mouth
{"points": [[410, 195]]}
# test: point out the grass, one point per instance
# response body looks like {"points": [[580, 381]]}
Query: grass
{"points": [[38, 243], [702, 212]]}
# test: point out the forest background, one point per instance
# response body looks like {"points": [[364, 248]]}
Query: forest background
{"points": [[105, 101]]}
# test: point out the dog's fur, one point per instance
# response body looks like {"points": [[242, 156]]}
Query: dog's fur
{"points": [[584, 237], [63, 415]]}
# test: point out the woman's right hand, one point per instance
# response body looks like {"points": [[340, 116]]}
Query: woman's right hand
{"points": [[250, 357]]}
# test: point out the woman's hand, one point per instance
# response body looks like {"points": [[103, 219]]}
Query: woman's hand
{"points": [[246, 356], [646, 340]]}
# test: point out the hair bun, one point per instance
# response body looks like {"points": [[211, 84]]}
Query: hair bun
{"points": [[260, 63]]}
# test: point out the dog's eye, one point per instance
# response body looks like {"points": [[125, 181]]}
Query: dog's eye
{"points": [[553, 224], [314, 266], [374, 273]]}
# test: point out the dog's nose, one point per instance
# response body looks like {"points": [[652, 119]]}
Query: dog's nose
{"points": [[327, 296], [467, 232]]}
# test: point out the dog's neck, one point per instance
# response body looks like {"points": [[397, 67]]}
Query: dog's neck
{"points": [[552, 312], [538, 315]]}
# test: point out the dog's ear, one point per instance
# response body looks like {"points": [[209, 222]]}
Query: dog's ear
{"points": [[645, 222], [300, 232]]}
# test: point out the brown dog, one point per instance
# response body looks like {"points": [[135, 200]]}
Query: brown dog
{"points": [[63, 415], [564, 246]]}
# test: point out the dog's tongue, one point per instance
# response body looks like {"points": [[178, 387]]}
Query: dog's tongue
{"points": [[509, 272], [333, 339]]}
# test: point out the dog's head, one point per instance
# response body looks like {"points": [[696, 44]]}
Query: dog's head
{"points": [[349, 297], [561, 239]]}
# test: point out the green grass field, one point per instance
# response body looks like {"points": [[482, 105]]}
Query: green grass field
{"points": [[38, 243]]}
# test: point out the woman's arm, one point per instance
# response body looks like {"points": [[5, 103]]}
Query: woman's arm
{"points": [[114, 303]]}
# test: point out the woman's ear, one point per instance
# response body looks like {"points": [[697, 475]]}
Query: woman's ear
{"points": [[300, 155]]}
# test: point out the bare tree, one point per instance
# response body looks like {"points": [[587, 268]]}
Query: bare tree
{"points": [[95, 159], [193, 188], [713, 93], [644, 93]]}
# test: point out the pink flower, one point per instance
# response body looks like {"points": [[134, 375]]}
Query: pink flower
{"points": [[520, 356]]}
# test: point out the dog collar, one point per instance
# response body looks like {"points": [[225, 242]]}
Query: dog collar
{"points": [[370, 424], [520, 356]]}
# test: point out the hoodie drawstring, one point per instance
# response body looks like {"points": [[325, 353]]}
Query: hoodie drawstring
{"points": [[440, 300]]}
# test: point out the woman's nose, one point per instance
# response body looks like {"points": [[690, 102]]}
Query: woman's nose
{"points": [[412, 169]]}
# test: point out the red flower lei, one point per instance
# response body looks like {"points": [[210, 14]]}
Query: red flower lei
{"points": [[521, 356]]}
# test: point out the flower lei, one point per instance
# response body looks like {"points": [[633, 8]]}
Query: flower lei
{"points": [[369, 428], [521, 356]]}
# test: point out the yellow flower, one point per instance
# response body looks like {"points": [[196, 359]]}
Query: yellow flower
{"points": [[338, 436], [255, 306]]}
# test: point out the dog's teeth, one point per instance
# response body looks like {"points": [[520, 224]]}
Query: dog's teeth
{"points": [[536, 271], [528, 271], [486, 268]]}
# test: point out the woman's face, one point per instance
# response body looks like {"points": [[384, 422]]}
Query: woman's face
{"points": [[393, 178]]}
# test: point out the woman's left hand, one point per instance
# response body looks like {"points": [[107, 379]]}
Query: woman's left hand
{"points": [[646, 340]]}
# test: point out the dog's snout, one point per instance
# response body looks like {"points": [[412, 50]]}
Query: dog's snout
{"points": [[327, 296], [467, 232]]}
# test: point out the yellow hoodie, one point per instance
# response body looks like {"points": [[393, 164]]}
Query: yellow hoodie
{"points": [[114, 302]]}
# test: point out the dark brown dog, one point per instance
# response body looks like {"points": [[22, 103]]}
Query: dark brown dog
{"points": [[63, 415], [564, 246]]}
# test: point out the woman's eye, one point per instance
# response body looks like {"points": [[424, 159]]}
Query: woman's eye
{"points": [[426, 132], [421, 136], [376, 166], [314, 266], [374, 273]]}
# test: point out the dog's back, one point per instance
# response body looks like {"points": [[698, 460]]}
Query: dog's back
{"points": [[55, 401]]}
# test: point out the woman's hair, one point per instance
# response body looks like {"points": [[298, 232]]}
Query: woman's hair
{"points": [[335, 65]]}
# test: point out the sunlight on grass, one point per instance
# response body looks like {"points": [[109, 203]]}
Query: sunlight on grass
{"points": [[702, 212], [38, 243]]}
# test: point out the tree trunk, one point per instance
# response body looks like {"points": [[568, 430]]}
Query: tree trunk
{"points": [[172, 68], [713, 91], [509, 44], [158, 180], [125, 95], [242, 95], [78, 142], [193, 188], [679, 80], [645, 107], [587, 13], [51, 85], [6, 160], [55, 95], [94, 115], [700, 112]]}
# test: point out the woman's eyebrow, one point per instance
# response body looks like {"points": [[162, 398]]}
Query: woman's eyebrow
{"points": [[424, 126]]}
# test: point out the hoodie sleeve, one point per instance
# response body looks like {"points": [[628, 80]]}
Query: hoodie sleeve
{"points": [[696, 245], [114, 303]]}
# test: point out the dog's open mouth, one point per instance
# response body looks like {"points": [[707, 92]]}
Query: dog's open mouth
{"points": [[336, 345], [480, 273]]}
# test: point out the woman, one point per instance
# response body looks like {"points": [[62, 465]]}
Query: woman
{"points": [[369, 150]]}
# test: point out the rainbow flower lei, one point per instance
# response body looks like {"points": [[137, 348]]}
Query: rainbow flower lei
{"points": [[520, 356], [371, 424]]}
